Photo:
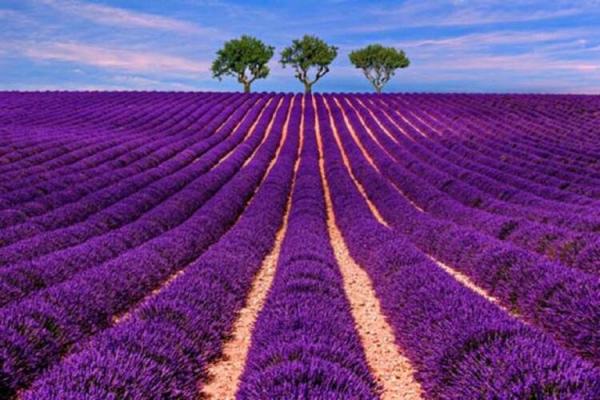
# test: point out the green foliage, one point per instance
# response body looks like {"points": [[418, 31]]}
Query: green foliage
{"points": [[379, 63], [245, 58], [310, 51]]}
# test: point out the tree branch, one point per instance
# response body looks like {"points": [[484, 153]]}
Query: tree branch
{"points": [[322, 71]]}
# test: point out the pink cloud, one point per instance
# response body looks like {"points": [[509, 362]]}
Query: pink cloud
{"points": [[137, 61], [118, 16]]}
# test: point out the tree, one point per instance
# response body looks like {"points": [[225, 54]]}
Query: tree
{"points": [[310, 51], [245, 58], [379, 63]]}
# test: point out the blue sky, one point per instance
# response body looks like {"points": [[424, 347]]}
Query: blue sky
{"points": [[454, 45]]}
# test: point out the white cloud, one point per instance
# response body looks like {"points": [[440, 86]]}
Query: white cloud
{"points": [[114, 58], [531, 63], [478, 17], [8, 13], [145, 83], [118, 16], [417, 13], [494, 38]]}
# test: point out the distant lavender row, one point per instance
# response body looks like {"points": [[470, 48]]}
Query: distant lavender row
{"points": [[102, 210], [183, 194], [509, 184], [478, 190], [116, 157], [533, 143], [58, 156], [158, 161], [560, 132], [426, 187]]}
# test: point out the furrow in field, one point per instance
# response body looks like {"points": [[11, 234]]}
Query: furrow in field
{"points": [[269, 131], [390, 368], [117, 318], [224, 373], [460, 277]]}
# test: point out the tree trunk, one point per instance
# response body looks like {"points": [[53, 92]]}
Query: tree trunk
{"points": [[307, 88], [377, 88], [246, 87]]}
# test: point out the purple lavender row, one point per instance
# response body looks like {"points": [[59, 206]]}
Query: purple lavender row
{"points": [[37, 331], [145, 131], [31, 113], [38, 198], [542, 136], [48, 144], [89, 147], [567, 133], [135, 200], [185, 193], [502, 186], [562, 245], [461, 346], [34, 161], [120, 121], [149, 131], [77, 203], [98, 166], [12, 216], [563, 302], [492, 168], [95, 110], [471, 196], [42, 204], [482, 139], [17, 104], [304, 344], [572, 183], [17, 145], [99, 147], [555, 119], [564, 134], [41, 109], [49, 109], [74, 127], [497, 158], [118, 163], [162, 349], [461, 167]]}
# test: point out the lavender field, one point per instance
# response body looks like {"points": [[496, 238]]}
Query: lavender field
{"points": [[277, 246]]}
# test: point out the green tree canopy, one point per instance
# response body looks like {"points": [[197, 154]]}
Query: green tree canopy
{"points": [[310, 51], [245, 58], [379, 63]]}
